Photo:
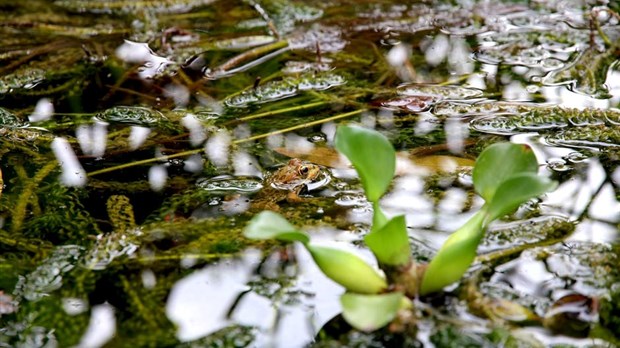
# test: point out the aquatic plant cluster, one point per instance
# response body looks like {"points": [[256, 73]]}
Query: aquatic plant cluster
{"points": [[452, 166]]}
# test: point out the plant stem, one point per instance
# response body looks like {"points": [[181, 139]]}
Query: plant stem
{"points": [[277, 112], [238, 141]]}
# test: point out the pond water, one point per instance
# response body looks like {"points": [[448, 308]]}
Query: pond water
{"points": [[138, 138]]}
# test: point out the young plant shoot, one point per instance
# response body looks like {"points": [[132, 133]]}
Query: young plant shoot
{"points": [[505, 176]]}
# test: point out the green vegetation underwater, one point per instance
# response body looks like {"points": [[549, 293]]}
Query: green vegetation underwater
{"points": [[139, 139]]}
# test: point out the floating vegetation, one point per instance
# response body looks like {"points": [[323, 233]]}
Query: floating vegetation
{"points": [[133, 115], [25, 79], [439, 92], [588, 74], [563, 125], [594, 136], [226, 185], [285, 88], [284, 15], [9, 119]]}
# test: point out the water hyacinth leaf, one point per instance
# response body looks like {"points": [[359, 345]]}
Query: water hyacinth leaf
{"points": [[454, 257], [370, 312], [270, 225], [390, 243], [499, 162], [347, 269], [516, 190], [372, 156]]}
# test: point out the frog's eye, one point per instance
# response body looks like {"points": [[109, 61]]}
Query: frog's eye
{"points": [[304, 170]]}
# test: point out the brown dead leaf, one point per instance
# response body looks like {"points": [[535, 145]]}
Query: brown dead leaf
{"points": [[321, 155], [406, 163]]}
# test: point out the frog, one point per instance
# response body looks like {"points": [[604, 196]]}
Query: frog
{"points": [[286, 184]]}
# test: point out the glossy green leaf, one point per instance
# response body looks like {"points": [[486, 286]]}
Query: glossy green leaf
{"points": [[499, 162], [372, 156], [390, 243], [270, 225], [347, 269], [515, 191], [378, 217], [370, 312], [454, 257]]}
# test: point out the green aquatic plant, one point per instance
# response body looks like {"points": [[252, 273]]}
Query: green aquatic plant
{"points": [[505, 176]]}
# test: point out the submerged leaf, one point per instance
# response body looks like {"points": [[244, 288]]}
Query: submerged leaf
{"points": [[370, 312]]}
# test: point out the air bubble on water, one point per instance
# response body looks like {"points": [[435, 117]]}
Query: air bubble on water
{"points": [[197, 132], [149, 280], [245, 165], [43, 111], [93, 138], [158, 175], [178, 93], [72, 172], [217, 148], [437, 51], [193, 163], [275, 141], [137, 136], [298, 143], [557, 165]]}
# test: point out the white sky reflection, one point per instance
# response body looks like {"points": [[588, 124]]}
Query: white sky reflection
{"points": [[101, 328], [141, 53], [198, 304]]}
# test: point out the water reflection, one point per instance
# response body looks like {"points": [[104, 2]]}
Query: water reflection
{"points": [[230, 293], [140, 53]]}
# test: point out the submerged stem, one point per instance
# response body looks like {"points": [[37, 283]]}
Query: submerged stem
{"points": [[238, 141]]}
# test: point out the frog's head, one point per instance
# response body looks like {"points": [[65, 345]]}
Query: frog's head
{"points": [[295, 175], [306, 171]]}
